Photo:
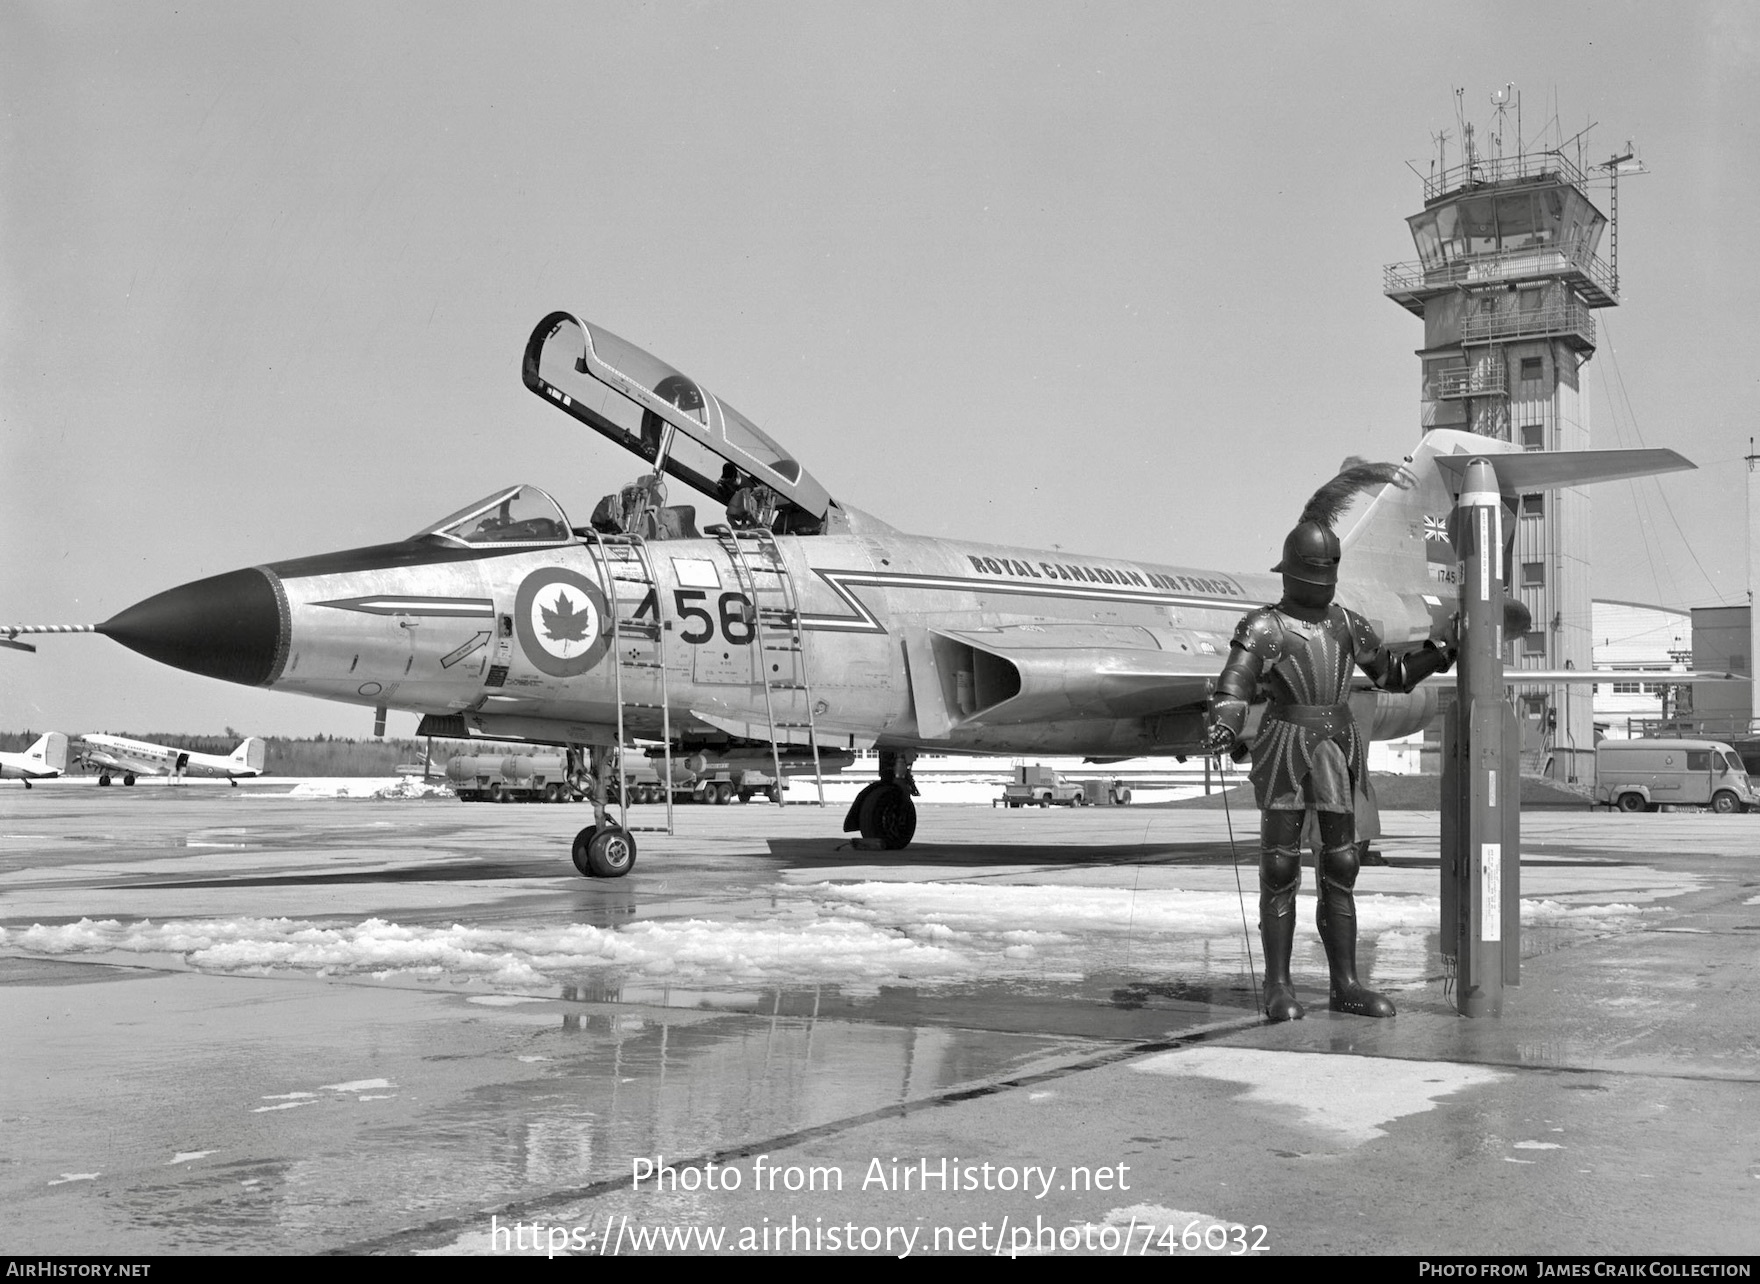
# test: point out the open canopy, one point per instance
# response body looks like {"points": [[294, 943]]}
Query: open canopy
{"points": [[664, 416]]}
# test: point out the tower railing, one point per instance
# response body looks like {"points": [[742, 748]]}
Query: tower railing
{"points": [[1572, 320], [1600, 288], [1484, 379], [1503, 169]]}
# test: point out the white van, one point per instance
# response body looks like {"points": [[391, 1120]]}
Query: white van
{"points": [[1645, 774]]}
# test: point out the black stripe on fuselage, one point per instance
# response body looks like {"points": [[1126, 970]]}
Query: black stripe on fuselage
{"points": [[383, 557], [425, 604]]}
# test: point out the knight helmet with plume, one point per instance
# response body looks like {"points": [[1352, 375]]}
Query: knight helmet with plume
{"points": [[1311, 551]]}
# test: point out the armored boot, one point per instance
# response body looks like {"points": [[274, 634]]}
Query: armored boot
{"points": [[1336, 917], [1280, 875]]}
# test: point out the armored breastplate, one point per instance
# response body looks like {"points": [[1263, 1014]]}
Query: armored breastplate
{"points": [[1316, 662]]}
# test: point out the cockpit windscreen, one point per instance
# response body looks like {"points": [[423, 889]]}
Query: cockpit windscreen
{"points": [[520, 516]]}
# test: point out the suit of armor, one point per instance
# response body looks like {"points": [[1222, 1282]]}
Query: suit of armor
{"points": [[1300, 655]]}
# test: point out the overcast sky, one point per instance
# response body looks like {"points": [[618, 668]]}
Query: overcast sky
{"points": [[1104, 276]]}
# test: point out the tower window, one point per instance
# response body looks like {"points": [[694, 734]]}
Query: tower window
{"points": [[1534, 505], [1534, 437], [1533, 574], [1533, 368], [1534, 643]]}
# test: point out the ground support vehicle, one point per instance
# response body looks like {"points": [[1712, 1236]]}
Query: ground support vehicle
{"points": [[1648, 774], [720, 779], [1039, 786], [502, 778], [1109, 791]]}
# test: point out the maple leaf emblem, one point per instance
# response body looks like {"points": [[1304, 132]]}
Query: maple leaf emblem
{"points": [[565, 624]]}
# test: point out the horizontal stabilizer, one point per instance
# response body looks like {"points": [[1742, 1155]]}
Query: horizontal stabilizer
{"points": [[1550, 469], [1514, 676]]}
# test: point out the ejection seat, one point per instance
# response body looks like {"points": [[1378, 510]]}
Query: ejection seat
{"points": [[640, 508]]}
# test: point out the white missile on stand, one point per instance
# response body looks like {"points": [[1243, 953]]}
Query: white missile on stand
{"points": [[1481, 832]]}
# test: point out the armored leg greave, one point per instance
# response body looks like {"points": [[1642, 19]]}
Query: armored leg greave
{"points": [[1280, 875], [1336, 917]]}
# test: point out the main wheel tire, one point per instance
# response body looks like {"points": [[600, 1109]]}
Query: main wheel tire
{"points": [[1724, 803], [889, 815], [103, 782], [128, 779], [1630, 802], [604, 853], [578, 852]]}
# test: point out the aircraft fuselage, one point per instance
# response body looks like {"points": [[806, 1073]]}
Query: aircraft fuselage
{"points": [[910, 642]]}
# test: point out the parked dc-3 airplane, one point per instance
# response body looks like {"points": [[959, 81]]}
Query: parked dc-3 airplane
{"points": [[118, 755], [44, 760], [796, 626]]}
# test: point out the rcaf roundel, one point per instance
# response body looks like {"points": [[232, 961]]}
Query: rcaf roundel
{"points": [[560, 619]]}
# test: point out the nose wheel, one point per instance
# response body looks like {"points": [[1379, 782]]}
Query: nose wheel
{"points": [[608, 852]]}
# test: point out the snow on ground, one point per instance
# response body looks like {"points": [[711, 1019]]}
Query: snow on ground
{"points": [[1346, 1098], [855, 934], [691, 949], [362, 787]]}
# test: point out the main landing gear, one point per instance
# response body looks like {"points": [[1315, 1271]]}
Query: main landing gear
{"points": [[884, 812], [104, 779], [604, 853], [604, 849]]}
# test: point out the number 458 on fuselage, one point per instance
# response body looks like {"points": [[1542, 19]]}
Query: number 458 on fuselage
{"points": [[770, 618]]}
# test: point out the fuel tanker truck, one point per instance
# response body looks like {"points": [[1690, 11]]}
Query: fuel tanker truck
{"points": [[520, 777], [697, 777]]}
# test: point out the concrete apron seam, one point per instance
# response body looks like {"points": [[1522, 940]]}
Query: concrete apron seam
{"points": [[523, 1208]]}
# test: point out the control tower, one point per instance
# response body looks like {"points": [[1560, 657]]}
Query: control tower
{"points": [[1507, 282]]}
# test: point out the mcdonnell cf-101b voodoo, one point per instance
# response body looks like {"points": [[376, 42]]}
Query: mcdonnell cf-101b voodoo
{"points": [[784, 624]]}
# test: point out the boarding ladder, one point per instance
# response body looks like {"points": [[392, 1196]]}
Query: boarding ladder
{"points": [[779, 653], [638, 646]]}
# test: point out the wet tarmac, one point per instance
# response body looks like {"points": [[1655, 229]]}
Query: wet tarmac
{"points": [[242, 1022]]}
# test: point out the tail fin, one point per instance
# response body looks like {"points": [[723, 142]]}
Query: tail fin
{"points": [[1397, 539], [50, 750], [1397, 558], [251, 755]]}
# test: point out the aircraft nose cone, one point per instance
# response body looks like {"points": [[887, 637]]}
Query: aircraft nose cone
{"points": [[232, 626]]}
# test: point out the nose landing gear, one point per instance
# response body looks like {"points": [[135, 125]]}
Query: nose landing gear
{"points": [[884, 812], [604, 849]]}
